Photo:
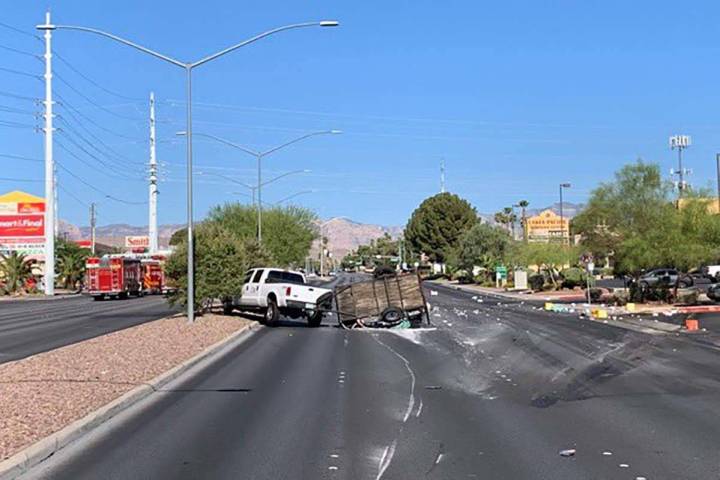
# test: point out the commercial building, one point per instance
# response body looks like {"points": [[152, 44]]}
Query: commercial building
{"points": [[547, 226]]}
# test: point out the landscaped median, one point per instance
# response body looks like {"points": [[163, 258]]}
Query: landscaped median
{"points": [[42, 394]]}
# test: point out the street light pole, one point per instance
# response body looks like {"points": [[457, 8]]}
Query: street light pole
{"points": [[259, 157], [717, 169], [188, 67]]}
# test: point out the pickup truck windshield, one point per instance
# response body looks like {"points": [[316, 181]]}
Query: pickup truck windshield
{"points": [[276, 276]]}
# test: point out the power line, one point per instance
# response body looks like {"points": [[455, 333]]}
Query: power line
{"points": [[19, 179], [20, 111], [93, 82], [9, 124], [92, 102], [20, 157], [16, 96], [18, 51], [93, 146], [90, 185], [72, 195], [22, 32], [109, 166], [20, 72], [75, 113]]}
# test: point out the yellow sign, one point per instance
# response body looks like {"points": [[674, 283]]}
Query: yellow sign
{"points": [[547, 224]]}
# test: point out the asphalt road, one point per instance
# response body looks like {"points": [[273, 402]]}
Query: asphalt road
{"points": [[28, 327], [496, 391]]}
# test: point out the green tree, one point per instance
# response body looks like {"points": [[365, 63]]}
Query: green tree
{"points": [[221, 260], [548, 257], [437, 224], [483, 246], [288, 232], [524, 204], [634, 219], [178, 236], [15, 271], [70, 265]]}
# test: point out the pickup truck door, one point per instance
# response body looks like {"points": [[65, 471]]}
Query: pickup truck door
{"points": [[251, 289]]}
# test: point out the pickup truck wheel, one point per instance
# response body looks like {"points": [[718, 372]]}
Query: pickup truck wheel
{"points": [[315, 319], [272, 314]]}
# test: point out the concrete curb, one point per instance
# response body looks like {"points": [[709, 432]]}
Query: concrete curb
{"points": [[31, 456]]}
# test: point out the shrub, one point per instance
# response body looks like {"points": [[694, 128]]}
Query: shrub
{"points": [[462, 276], [596, 294], [688, 296], [536, 282], [620, 297]]}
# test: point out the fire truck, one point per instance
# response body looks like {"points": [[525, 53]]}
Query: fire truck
{"points": [[113, 276], [153, 275]]}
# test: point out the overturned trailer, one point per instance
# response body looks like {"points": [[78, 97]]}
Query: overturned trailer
{"points": [[384, 302]]}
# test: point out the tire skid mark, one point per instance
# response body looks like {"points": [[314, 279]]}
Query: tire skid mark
{"points": [[389, 451]]}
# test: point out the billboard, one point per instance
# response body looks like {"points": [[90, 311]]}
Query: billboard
{"points": [[22, 224], [547, 225], [137, 241]]}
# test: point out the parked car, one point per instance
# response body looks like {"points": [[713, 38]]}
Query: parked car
{"points": [[273, 291], [667, 277]]}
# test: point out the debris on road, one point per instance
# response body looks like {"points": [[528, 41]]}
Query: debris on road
{"points": [[433, 387], [433, 293], [567, 453]]}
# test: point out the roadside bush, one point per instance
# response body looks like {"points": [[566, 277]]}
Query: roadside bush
{"points": [[620, 297], [221, 259], [574, 277], [462, 276], [688, 296], [536, 282], [596, 294]]}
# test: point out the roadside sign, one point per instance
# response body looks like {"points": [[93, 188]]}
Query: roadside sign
{"points": [[501, 271]]}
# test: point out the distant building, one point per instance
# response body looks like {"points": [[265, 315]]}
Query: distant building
{"points": [[547, 226]]}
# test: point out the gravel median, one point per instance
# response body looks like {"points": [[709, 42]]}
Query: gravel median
{"points": [[40, 395]]}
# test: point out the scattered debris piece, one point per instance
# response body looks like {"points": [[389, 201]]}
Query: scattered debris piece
{"points": [[433, 387], [567, 453], [607, 453], [624, 465], [433, 293]]}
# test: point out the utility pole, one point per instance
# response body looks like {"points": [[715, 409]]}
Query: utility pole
{"points": [[92, 228], [152, 217], [442, 175], [322, 251], [55, 199], [49, 275], [680, 142]]}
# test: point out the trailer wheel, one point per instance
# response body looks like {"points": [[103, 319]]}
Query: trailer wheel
{"points": [[98, 298], [392, 315], [272, 313], [315, 319]]}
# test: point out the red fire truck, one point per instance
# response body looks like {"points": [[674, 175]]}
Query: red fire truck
{"points": [[113, 277], [153, 275]]}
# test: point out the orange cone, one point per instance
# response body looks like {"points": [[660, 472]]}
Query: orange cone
{"points": [[692, 324]]}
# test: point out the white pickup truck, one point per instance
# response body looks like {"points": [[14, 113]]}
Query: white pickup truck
{"points": [[273, 291]]}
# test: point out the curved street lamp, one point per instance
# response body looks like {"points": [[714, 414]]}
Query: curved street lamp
{"points": [[188, 67], [259, 155]]}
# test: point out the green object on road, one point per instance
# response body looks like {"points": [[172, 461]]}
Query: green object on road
{"points": [[403, 324]]}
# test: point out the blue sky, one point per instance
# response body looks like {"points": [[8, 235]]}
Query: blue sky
{"points": [[515, 96]]}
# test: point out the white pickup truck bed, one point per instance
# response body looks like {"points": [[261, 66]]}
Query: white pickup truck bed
{"points": [[273, 291]]}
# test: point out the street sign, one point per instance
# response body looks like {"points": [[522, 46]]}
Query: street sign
{"points": [[501, 271]]}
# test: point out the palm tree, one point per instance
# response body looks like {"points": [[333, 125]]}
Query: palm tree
{"points": [[510, 219], [15, 271], [70, 266], [523, 204]]}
